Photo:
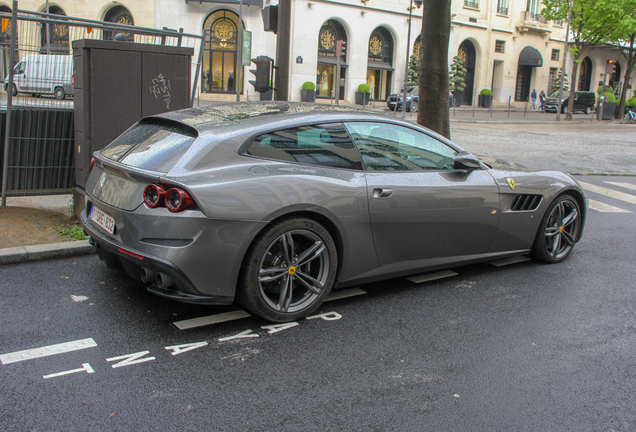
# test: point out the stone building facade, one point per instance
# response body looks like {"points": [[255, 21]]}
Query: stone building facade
{"points": [[506, 45]]}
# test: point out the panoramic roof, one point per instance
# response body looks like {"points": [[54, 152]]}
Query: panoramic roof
{"points": [[223, 112]]}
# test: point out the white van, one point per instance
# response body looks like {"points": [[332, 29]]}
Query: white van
{"points": [[43, 74]]}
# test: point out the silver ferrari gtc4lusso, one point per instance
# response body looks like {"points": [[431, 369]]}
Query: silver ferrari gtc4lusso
{"points": [[274, 204]]}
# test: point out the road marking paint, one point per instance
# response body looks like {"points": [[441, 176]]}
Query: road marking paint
{"points": [[241, 335], [47, 351], [510, 260], [327, 316], [275, 328], [130, 359], [210, 319], [605, 208], [623, 184], [432, 276], [178, 349], [609, 192], [340, 294], [85, 367]]}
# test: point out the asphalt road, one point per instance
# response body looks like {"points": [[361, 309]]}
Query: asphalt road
{"points": [[525, 346]]}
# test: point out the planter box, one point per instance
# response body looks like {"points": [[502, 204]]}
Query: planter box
{"points": [[608, 110], [308, 95], [362, 98], [267, 96], [485, 101]]}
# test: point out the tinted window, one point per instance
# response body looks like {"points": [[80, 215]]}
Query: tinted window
{"points": [[154, 147], [386, 147], [327, 145]]}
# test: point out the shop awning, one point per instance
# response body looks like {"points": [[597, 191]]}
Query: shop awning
{"points": [[530, 57]]}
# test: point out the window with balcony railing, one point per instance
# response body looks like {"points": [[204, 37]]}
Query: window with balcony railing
{"points": [[471, 3], [531, 16], [502, 10], [558, 22]]}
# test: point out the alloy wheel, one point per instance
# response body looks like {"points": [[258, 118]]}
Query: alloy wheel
{"points": [[562, 229]]}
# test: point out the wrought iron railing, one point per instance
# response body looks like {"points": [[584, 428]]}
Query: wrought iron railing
{"points": [[502, 10], [531, 16], [471, 3], [558, 22]]}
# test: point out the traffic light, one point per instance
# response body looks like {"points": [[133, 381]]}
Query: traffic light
{"points": [[262, 74], [610, 67], [341, 47]]}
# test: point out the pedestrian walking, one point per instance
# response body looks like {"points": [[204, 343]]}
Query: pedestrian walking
{"points": [[533, 95], [542, 100]]}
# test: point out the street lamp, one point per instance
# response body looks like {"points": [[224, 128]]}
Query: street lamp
{"points": [[418, 3]]}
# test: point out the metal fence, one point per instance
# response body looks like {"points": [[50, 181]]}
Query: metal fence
{"points": [[36, 100]]}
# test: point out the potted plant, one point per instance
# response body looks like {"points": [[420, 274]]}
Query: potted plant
{"points": [[308, 92], [485, 98], [456, 79], [362, 95]]}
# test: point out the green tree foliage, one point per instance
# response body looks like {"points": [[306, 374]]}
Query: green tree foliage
{"points": [[591, 22], [414, 67], [624, 37], [456, 75]]}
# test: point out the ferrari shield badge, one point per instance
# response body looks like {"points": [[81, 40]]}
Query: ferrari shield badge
{"points": [[511, 183]]}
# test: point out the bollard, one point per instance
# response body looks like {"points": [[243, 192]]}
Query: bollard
{"points": [[509, 97], [525, 109]]}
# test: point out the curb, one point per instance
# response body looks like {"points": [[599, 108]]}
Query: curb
{"points": [[23, 254]]}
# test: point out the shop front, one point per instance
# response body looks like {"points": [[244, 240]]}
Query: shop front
{"points": [[380, 64], [326, 76], [219, 53]]}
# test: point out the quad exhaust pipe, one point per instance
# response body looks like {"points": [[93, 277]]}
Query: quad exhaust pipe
{"points": [[164, 281]]}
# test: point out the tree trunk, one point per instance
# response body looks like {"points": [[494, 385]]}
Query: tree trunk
{"points": [[433, 79], [631, 60], [575, 68]]}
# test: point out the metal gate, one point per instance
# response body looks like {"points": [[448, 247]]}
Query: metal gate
{"points": [[36, 97]]}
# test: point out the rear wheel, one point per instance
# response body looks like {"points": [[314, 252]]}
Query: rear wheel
{"points": [[289, 270], [559, 230], [59, 93], [413, 106], [587, 110], [626, 118]]}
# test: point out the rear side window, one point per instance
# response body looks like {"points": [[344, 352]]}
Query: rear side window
{"points": [[154, 147], [327, 145]]}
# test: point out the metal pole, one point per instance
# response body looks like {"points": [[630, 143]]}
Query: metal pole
{"points": [[239, 53], [406, 69], [7, 131], [48, 34], [601, 104], [565, 56], [338, 80], [509, 98], [198, 70]]}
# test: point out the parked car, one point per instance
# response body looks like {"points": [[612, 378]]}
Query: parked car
{"points": [[395, 100], [583, 101], [274, 204], [43, 74]]}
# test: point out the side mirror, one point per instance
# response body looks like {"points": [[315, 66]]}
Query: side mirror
{"points": [[466, 161]]}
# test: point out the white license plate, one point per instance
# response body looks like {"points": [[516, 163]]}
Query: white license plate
{"points": [[103, 219]]}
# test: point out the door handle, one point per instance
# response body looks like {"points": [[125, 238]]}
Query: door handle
{"points": [[382, 193]]}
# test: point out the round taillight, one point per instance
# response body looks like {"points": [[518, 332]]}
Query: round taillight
{"points": [[92, 164], [153, 195], [177, 200]]}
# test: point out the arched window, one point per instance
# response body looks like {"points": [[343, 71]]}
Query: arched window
{"points": [[380, 63], [220, 51], [57, 42], [468, 56], [118, 15], [330, 32], [585, 76]]}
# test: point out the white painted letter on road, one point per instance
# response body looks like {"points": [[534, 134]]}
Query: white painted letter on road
{"points": [[275, 328], [85, 367], [178, 349], [329, 316], [241, 335], [130, 359]]}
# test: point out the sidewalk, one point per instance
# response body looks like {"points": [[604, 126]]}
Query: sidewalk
{"points": [[53, 203]]}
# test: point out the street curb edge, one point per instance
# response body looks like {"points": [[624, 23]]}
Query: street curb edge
{"points": [[23, 254]]}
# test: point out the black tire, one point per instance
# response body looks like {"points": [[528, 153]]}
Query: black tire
{"points": [[15, 90], [564, 109], [289, 270], [413, 106], [588, 110], [59, 93], [559, 230]]}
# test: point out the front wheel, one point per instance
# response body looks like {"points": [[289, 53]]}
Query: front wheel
{"points": [[626, 118], [587, 110], [413, 106], [289, 270], [559, 230]]}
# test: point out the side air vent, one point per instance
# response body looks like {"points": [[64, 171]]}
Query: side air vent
{"points": [[526, 202]]}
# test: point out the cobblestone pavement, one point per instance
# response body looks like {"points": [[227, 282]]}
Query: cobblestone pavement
{"points": [[575, 148]]}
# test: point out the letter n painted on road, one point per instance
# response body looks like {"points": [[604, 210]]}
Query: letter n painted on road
{"points": [[130, 359]]}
